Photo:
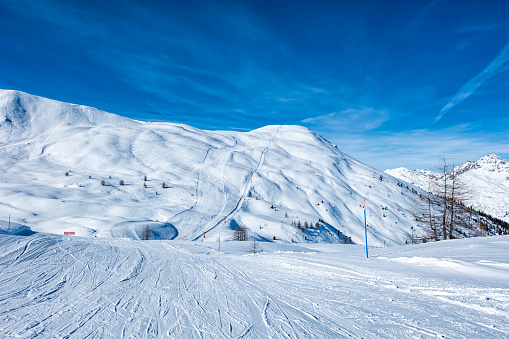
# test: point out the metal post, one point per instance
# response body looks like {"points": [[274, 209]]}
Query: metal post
{"points": [[366, 230]]}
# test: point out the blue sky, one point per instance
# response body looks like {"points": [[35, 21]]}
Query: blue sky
{"points": [[392, 83]]}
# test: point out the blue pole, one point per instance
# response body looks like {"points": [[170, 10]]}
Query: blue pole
{"points": [[365, 230]]}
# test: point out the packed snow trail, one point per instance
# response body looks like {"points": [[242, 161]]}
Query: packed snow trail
{"points": [[54, 286]]}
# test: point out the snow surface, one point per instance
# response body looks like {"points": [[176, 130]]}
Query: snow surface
{"points": [[488, 177], [216, 179], [76, 287]]}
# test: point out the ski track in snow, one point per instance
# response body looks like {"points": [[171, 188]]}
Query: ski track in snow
{"points": [[243, 196], [67, 287]]}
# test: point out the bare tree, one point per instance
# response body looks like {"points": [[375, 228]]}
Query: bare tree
{"points": [[461, 193], [255, 247], [452, 195], [442, 191], [430, 214], [145, 235], [426, 213]]}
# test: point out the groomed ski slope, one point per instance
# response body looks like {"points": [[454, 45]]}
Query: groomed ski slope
{"points": [[73, 287]]}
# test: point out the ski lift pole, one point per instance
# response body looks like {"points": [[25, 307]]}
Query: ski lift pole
{"points": [[365, 230]]}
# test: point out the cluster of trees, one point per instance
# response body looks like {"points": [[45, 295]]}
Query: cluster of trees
{"points": [[240, 234], [443, 210], [122, 182], [302, 226], [103, 182], [488, 224], [344, 238]]}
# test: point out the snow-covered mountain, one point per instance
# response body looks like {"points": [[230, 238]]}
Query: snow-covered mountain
{"points": [[488, 178], [74, 168]]}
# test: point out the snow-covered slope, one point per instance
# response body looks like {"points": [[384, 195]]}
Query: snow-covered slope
{"points": [[415, 177], [488, 178], [54, 286], [57, 156]]}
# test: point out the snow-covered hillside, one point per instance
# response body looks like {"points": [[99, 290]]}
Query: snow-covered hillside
{"points": [[488, 178], [54, 286], [57, 156]]}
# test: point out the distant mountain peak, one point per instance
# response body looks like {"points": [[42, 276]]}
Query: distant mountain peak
{"points": [[493, 163], [467, 166], [490, 162]]}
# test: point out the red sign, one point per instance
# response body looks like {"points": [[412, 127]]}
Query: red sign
{"points": [[69, 233]]}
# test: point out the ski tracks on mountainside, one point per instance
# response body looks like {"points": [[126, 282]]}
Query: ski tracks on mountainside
{"points": [[207, 194], [247, 187], [214, 205]]}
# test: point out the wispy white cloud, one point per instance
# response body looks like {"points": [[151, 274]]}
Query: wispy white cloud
{"points": [[478, 28], [418, 17], [360, 120], [425, 9], [418, 149], [475, 33], [464, 43], [494, 68], [318, 90]]}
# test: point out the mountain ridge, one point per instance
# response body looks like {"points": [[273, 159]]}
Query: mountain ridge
{"points": [[488, 177]]}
